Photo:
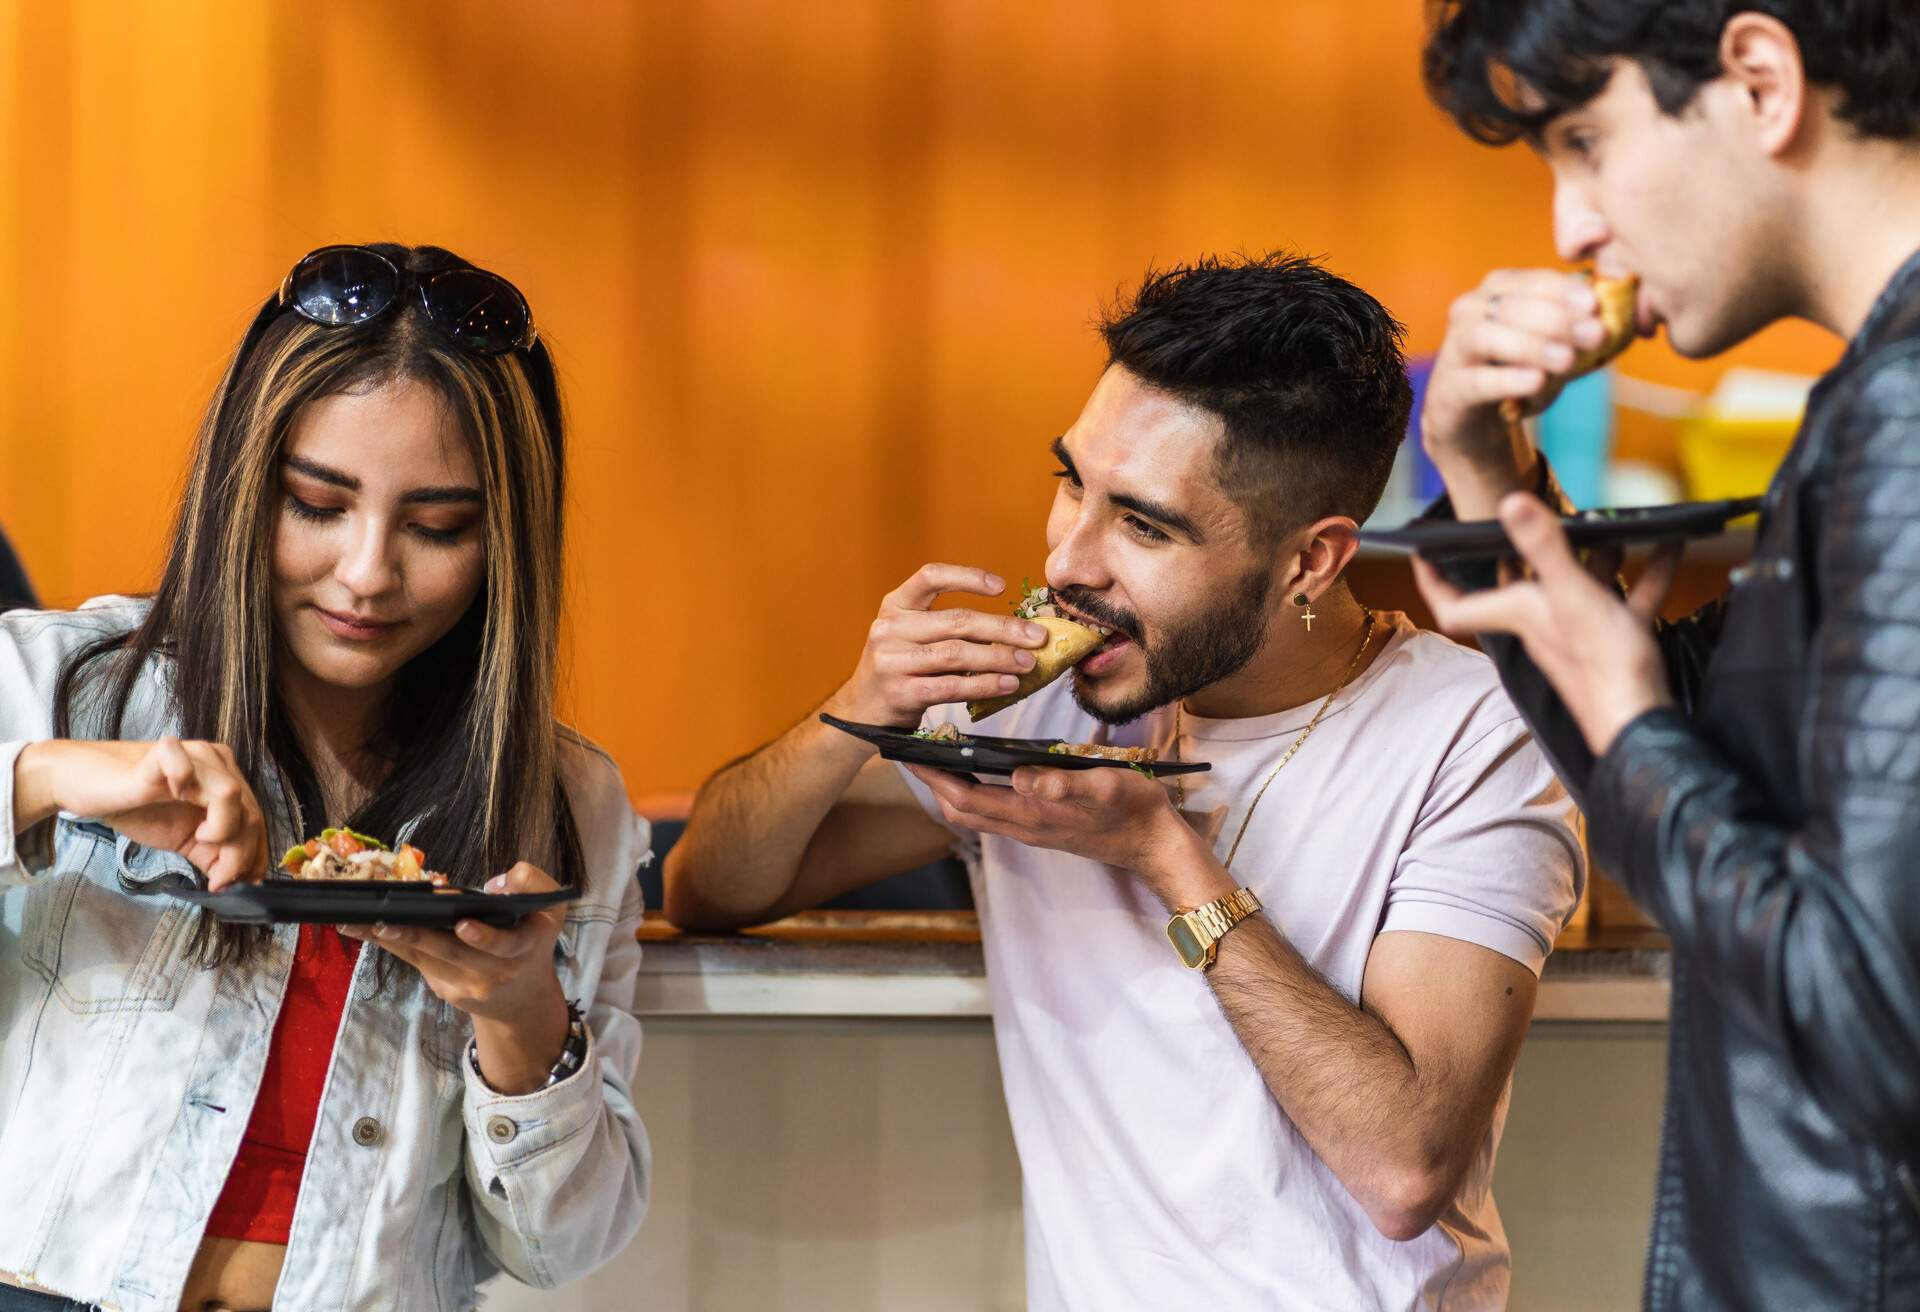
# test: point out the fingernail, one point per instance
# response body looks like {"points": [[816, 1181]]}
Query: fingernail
{"points": [[1022, 782], [1008, 683], [1580, 296], [1035, 633], [465, 929], [1558, 355], [1589, 332], [997, 583], [1025, 659], [497, 883], [381, 931]]}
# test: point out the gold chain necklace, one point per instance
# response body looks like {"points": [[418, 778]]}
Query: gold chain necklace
{"points": [[1179, 782]]}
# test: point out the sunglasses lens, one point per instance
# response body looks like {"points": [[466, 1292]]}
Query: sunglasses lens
{"points": [[345, 286], [479, 310]]}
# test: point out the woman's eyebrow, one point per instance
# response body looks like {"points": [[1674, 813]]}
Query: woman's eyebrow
{"points": [[443, 496], [425, 496], [324, 473]]}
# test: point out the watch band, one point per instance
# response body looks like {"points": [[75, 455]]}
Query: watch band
{"points": [[1196, 934], [1222, 914]]}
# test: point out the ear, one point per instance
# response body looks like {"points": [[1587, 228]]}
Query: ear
{"points": [[1322, 551], [1760, 55]]}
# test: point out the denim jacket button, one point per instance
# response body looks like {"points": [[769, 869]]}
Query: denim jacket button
{"points": [[501, 1130], [366, 1132]]}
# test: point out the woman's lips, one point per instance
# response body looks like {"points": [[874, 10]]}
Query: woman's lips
{"points": [[354, 629]]}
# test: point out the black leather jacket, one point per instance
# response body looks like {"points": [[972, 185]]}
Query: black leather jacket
{"points": [[1771, 823]]}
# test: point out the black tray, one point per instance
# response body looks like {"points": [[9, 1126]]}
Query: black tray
{"points": [[1446, 539], [357, 902], [980, 754]]}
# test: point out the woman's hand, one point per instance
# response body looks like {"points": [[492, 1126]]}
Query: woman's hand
{"points": [[181, 796], [503, 978]]}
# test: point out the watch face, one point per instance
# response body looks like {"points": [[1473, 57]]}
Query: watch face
{"points": [[1193, 953]]}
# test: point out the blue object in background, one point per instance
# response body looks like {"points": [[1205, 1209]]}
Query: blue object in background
{"points": [[1576, 436], [1427, 485], [940, 886]]}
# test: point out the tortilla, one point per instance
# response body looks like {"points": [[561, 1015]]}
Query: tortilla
{"points": [[1617, 298], [1107, 752], [1617, 311], [1068, 643]]}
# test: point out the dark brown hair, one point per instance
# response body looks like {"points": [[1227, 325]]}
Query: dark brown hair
{"points": [[1480, 51], [1305, 370], [470, 734]]}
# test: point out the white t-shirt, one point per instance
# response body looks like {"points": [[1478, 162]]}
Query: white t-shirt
{"points": [[1158, 1169]]}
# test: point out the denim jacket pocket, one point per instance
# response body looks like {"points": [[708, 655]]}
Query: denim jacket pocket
{"points": [[102, 950]]}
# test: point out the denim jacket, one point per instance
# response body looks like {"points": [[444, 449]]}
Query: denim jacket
{"points": [[128, 1073]]}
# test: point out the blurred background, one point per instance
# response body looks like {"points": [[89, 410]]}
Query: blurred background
{"points": [[819, 277]]}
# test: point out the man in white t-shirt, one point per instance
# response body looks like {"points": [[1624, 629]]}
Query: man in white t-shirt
{"points": [[1291, 1097]]}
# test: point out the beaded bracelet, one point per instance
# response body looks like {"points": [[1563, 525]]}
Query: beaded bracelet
{"points": [[570, 1056]]}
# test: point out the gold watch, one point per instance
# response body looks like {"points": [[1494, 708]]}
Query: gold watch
{"points": [[1196, 934]]}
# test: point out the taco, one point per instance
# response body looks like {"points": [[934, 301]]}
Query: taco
{"points": [[1107, 752], [343, 854], [1618, 305], [1068, 643]]}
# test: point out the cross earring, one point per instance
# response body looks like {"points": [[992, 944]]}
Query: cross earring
{"points": [[1306, 609]]}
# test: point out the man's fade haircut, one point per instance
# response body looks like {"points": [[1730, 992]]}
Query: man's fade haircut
{"points": [[1305, 371], [1480, 53]]}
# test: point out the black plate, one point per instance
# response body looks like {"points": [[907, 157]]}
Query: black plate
{"points": [[980, 754], [357, 902], [1480, 538]]}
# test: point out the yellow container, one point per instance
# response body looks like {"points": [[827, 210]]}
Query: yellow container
{"points": [[1725, 456]]}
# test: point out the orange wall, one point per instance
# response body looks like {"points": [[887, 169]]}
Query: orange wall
{"points": [[818, 276]]}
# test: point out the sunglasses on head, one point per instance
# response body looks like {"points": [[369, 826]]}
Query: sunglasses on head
{"points": [[480, 312]]}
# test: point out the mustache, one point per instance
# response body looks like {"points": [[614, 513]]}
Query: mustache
{"points": [[1084, 601]]}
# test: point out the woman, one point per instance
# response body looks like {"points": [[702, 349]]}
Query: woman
{"points": [[356, 626]]}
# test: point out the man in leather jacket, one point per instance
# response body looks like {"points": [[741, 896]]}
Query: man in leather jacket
{"points": [[1752, 774]]}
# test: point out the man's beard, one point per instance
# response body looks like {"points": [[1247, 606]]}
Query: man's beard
{"points": [[1217, 644]]}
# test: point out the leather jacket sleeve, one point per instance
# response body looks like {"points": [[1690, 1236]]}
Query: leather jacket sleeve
{"points": [[1685, 644], [1810, 933]]}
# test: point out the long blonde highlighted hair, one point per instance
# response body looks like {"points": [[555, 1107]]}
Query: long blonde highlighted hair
{"points": [[471, 734]]}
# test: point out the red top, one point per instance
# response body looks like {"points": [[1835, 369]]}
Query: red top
{"points": [[257, 1202]]}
